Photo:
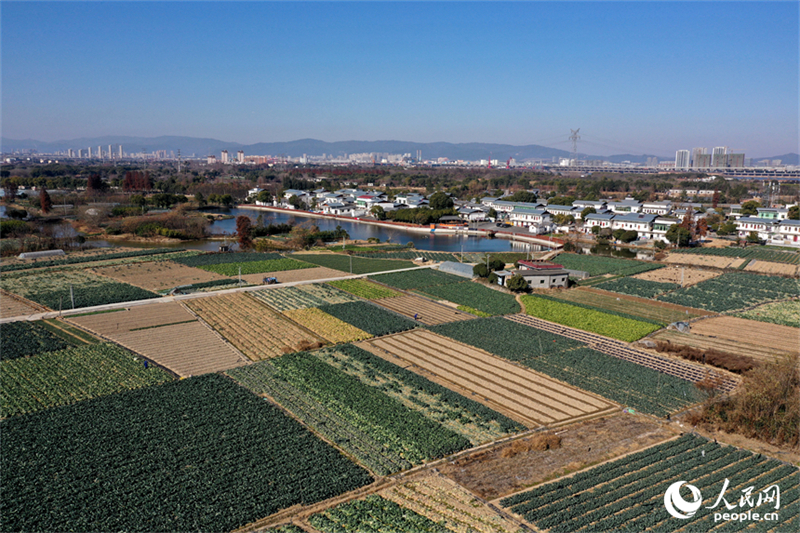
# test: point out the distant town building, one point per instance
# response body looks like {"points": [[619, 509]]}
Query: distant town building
{"points": [[225, 157], [240, 157], [682, 159]]}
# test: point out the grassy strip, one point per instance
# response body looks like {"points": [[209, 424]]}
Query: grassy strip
{"points": [[472, 311], [256, 267], [601, 309], [624, 329]]}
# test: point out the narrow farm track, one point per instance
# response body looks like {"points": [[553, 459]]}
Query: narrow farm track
{"points": [[621, 350], [525, 395]]}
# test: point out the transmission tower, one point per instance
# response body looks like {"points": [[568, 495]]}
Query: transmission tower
{"points": [[574, 138]]}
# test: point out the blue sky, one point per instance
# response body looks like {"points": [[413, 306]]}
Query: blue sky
{"points": [[640, 77]]}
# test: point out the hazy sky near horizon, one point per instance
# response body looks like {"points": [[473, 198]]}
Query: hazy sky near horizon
{"points": [[636, 77]]}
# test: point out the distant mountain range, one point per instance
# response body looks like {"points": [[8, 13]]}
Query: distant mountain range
{"points": [[201, 147]]}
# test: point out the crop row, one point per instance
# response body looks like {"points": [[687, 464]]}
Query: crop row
{"points": [[302, 296], [256, 267], [369, 317], [733, 290], [200, 454], [57, 290], [22, 339], [571, 362], [754, 252], [417, 279], [629, 493], [599, 322], [373, 513], [598, 265], [204, 260], [68, 376], [360, 265], [72, 260], [400, 431], [364, 289], [476, 296], [637, 287]]}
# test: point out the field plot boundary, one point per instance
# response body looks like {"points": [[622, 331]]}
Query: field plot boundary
{"points": [[621, 350], [485, 368]]}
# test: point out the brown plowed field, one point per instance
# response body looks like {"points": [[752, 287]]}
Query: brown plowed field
{"points": [[513, 466], [520, 393], [672, 274], [11, 306], [251, 326], [429, 313], [663, 312], [705, 260], [724, 345], [301, 274], [773, 336], [140, 316], [157, 275], [766, 267], [168, 334]]}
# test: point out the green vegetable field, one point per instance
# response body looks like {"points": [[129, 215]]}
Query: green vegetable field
{"points": [[256, 267], [417, 279], [734, 290], [373, 513], [637, 287], [753, 252], [369, 317], [597, 265], [71, 375], [205, 260], [361, 265], [364, 289], [617, 327], [629, 494], [22, 339], [200, 454], [476, 296], [302, 296]]}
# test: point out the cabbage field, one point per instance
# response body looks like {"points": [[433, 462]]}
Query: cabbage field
{"points": [[732, 291]]}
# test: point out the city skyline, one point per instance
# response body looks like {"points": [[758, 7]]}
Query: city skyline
{"points": [[636, 77]]}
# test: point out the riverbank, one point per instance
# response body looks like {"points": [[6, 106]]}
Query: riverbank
{"points": [[413, 228]]}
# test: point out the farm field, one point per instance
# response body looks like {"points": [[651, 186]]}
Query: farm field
{"points": [[87, 256], [570, 361], [523, 462], [525, 396], [224, 258], [251, 326], [67, 376], [168, 334], [369, 317], [204, 455], [289, 276], [674, 274], [256, 267], [637, 287], [302, 296], [23, 339], [784, 313], [779, 338], [364, 288], [51, 289], [330, 328], [156, 275], [630, 493], [445, 502], [625, 329], [705, 260], [383, 433], [732, 291], [428, 312], [411, 255], [702, 342], [361, 265], [11, 306], [660, 312], [751, 252], [596, 265], [767, 267], [476, 296], [417, 279]]}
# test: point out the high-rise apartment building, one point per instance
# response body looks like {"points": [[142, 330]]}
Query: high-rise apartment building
{"points": [[696, 152], [702, 161], [225, 157], [240, 157], [682, 159], [89, 153], [120, 151], [718, 159]]}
